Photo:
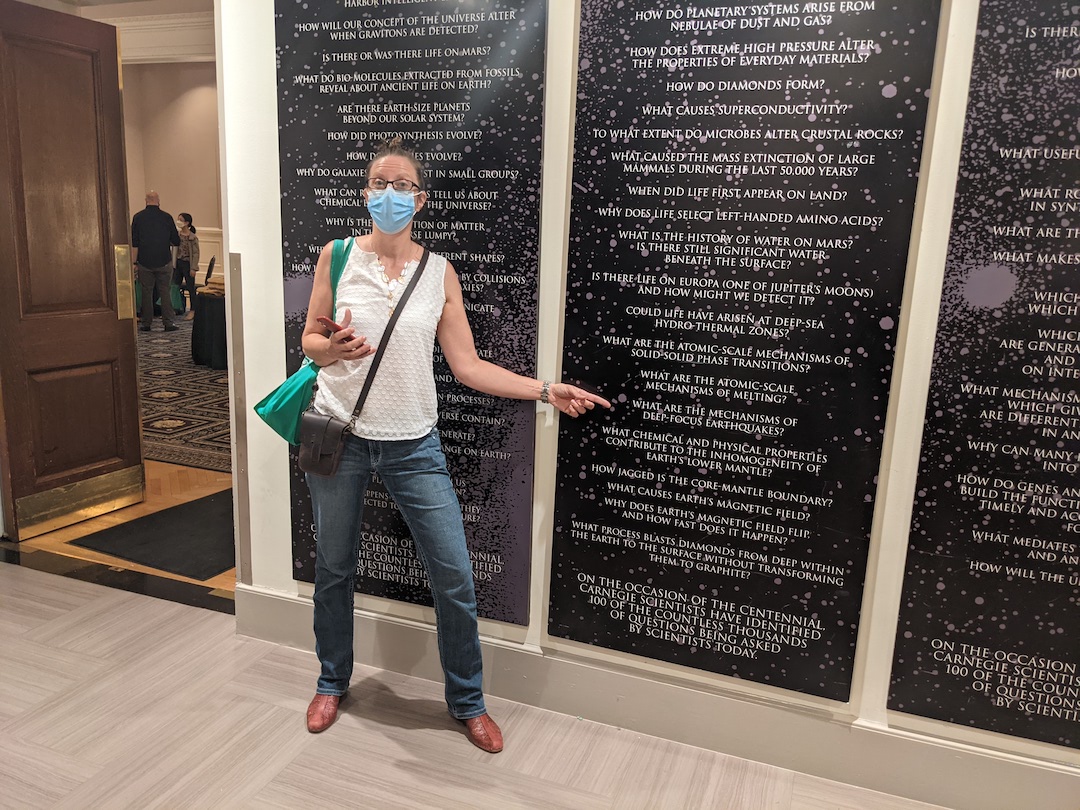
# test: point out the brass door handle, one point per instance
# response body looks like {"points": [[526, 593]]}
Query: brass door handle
{"points": [[125, 285]]}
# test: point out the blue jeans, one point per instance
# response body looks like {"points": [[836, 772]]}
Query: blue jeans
{"points": [[414, 473]]}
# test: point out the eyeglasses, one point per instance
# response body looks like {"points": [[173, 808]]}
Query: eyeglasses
{"points": [[378, 184]]}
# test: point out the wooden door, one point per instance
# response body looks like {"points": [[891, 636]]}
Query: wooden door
{"points": [[70, 444]]}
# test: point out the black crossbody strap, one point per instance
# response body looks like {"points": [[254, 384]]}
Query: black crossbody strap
{"points": [[386, 337]]}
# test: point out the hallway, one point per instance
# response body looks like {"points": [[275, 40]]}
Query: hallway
{"points": [[111, 699]]}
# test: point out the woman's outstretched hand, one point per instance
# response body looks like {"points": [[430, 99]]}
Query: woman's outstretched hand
{"points": [[574, 401]]}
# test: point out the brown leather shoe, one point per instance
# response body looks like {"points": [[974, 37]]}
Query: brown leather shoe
{"points": [[484, 733], [322, 712]]}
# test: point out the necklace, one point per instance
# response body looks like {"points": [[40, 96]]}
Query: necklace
{"points": [[394, 285]]}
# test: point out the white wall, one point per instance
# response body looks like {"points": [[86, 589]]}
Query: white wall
{"points": [[169, 95], [171, 135], [858, 742]]}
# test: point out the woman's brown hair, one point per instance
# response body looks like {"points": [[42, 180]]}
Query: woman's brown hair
{"points": [[395, 147]]}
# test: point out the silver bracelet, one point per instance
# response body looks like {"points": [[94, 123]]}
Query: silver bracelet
{"points": [[545, 390]]}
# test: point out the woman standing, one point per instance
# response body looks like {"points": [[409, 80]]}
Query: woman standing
{"points": [[187, 261], [395, 435]]}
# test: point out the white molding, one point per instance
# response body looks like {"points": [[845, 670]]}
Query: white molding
{"points": [[871, 755], [165, 38], [910, 384]]}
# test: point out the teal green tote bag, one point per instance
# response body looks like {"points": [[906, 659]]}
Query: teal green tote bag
{"points": [[281, 408]]}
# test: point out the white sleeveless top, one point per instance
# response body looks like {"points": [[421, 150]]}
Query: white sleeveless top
{"points": [[402, 403]]}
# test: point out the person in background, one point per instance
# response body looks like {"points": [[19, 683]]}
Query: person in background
{"points": [[395, 435], [153, 236], [187, 261]]}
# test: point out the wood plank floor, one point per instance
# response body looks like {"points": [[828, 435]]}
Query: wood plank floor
{"points": [[167, 485], [110, 699]]}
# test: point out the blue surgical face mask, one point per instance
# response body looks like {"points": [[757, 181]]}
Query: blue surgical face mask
{"points": [[391, 210]]}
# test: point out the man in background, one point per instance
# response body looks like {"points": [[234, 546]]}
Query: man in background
{"points": [[153, 236]]}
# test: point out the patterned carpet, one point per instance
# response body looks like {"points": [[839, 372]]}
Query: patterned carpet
{"points": [[184, 407]]}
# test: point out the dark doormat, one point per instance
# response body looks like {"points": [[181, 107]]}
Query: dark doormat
{"points": [[193, 540]]}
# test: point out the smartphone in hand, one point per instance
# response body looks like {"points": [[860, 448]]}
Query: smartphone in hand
{"points": [[329, 324]]}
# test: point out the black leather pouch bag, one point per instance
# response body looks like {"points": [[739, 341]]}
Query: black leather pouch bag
{"points": [[322, 442]]}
